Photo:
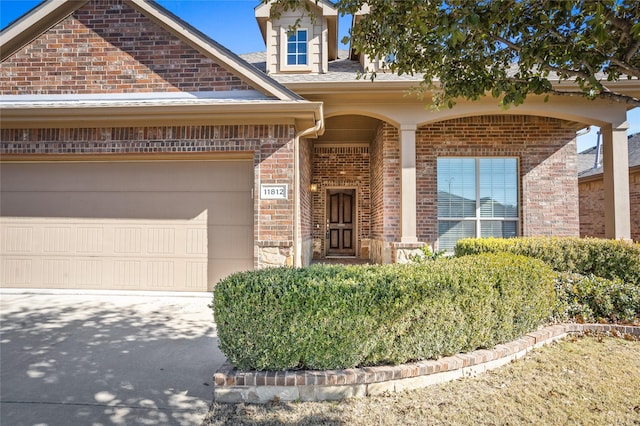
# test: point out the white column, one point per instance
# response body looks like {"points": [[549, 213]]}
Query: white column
{"points": [[615, 159], [408, 183]]}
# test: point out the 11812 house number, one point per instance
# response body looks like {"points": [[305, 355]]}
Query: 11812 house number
{"points": [[274, 191]]}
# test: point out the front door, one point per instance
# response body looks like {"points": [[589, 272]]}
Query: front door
{"points": [[341, 227]]}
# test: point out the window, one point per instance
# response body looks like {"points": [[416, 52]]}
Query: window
{"points": [[297, 48], [477, 197]]}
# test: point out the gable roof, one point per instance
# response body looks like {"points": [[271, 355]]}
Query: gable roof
{"points": [[270, 102], [49, 13], [586, 158]]}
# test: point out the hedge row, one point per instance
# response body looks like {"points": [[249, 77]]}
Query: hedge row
{"points": [[326, 317], [609, 259], [587, 298]]}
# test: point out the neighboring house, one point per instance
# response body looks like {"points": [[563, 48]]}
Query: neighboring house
{"points": [[137, 153], [591, 189]]}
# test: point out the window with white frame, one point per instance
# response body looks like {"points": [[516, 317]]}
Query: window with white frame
{"points": [[297, 47], [477, 197]]}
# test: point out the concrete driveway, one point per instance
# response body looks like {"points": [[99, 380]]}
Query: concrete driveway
{"points": [[106, 359]]}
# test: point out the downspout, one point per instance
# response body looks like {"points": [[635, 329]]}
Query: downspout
{"points": [[297, 242], [597, 160]]}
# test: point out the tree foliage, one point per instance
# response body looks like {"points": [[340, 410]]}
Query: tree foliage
{"points": [[509, 48]]}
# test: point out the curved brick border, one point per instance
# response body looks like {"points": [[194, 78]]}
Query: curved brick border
{"points": [[232, 386]]}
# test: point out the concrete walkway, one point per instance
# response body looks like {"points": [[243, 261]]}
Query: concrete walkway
{"points": [[106, 359]]}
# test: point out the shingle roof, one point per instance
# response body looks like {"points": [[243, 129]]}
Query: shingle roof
{"points": [[342, 69], [586, 158]]}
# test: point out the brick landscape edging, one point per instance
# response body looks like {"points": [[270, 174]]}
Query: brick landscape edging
{"points": [[233, 386]]}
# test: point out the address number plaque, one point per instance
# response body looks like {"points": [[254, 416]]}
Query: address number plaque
{"points": [[274, 191]]}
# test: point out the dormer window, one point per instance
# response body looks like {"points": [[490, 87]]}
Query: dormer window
{"points": [[297, 48], [298, 41]]}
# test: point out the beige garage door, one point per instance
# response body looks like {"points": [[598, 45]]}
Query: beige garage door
{"points": [[171, 225]]}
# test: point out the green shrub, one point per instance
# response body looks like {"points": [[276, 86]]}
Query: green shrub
{"points": [[590, 298], [325, 317], [609, 259], [427, 255]]}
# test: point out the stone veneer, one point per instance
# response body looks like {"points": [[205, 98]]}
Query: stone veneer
{"points": [[233, 386]]}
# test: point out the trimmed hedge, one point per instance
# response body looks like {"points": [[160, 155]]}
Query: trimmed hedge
{"points": [[597, 279], [326, 317], [609, 259]]}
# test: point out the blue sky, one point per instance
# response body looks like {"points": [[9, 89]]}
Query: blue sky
{"points": [[232, 23]]}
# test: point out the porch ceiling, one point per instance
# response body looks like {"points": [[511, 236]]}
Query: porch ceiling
{"points": [[349, 129]]}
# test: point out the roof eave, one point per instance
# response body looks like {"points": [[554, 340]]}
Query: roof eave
{"points": [[600, 175], [302, 114], [354, 86]]}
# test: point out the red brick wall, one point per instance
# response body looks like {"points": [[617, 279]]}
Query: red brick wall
{"points": [[276, 166], [306, 199], [377, 187], [270, 145], [592, 206], [108, 47], [385, 192], [340, 167], [547, 157]]}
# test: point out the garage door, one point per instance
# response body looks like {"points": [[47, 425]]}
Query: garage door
{"points": [[170, 225]]}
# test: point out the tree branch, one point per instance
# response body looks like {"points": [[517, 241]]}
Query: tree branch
{"points": [[614, 96], [630, 71], [506, 42], [633, 48], [566, 71], [546, 66], [618, 22]]}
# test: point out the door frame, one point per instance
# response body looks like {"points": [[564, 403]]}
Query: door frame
{"points": [[356, 224]]}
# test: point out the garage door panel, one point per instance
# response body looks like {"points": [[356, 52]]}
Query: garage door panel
{"points": [[131, 205], [125, 240], [203, 176]]}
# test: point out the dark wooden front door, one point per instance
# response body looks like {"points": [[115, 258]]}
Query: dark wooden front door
{"points": [[341, 227]]}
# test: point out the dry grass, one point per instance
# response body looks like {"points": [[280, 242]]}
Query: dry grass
{"points": [[583, 381]]}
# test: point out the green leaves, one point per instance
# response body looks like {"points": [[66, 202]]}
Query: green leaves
{"points": [[589, 41], [325, 317], [604, 258]]}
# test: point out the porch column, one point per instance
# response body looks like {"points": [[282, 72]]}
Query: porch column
{"points": [[615, 160], [408, 183]]}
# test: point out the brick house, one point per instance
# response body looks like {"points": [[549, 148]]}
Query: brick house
{"points": [[591, 190], [137, 153]]}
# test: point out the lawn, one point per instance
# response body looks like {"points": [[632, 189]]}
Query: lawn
{"points": [[582, 380]]}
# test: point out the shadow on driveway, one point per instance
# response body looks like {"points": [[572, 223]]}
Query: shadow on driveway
{"points": [[95, 359]]}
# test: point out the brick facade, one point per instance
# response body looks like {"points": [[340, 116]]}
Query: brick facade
{"points": [[385, 192], [108, 47], [546, 151], [341, 167], [306, 200], [591, 191], [270, 145]]}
